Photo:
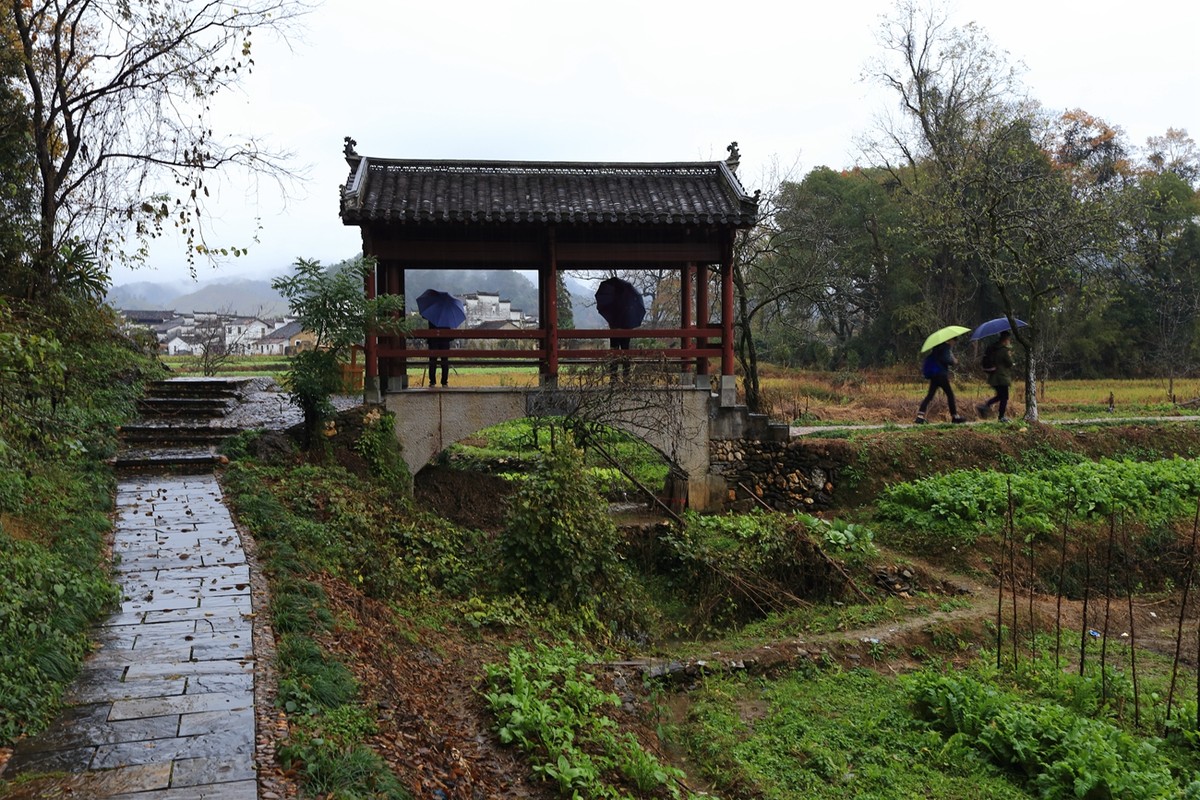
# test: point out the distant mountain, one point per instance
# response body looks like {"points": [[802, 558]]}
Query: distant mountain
{"points": [[510, 285], [247, 297], [145, 295], [583, 304], [243, 296], [255, 297]]}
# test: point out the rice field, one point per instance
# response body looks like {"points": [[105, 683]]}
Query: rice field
{"points": [[848, 397]]}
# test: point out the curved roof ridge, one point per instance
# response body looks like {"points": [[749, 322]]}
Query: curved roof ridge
{"points": [[455, 191]]}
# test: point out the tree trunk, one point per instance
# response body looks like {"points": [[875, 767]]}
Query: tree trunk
{"points": [[1031, 398]]}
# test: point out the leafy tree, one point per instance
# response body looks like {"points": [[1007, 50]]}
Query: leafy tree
{"points": [[871, 304], [1161, 269], [16, 167], [977, 160], [333, 305], [118, 97]]}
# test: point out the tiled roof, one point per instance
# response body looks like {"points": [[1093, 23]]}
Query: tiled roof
{"points": [[146, 315], [402, 192], [284, 332]]}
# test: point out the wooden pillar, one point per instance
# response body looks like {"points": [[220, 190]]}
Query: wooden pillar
{"points": [[371, 390], [727, 310], [702, 319], [686, 306], [548, 291], [397, 373]]}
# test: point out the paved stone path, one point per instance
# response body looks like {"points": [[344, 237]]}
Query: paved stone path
{"points": [[164, 709]]}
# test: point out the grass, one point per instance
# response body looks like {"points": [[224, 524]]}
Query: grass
{"points": [[511, 447], [328, 743], [234, 366], [825, 735], [815, 732], [968, 731]]}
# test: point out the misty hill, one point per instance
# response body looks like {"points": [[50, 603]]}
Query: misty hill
{"points": [[248, 297], [508, 284], [255, 297], [243, 296], [146, 295]]}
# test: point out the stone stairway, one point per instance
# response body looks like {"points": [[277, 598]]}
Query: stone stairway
{"points": [[182, 422]]}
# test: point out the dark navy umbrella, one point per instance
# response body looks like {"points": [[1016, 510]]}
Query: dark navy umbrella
{"points": [[993, 326], [620, 304], [441, 309]]}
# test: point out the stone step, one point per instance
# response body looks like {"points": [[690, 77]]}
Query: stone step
{"points": [[178, 460], [162, 406], [226, 388], [171, 433]]}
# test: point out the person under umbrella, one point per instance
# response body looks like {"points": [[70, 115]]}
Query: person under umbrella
{"points": [[622, 306], [994, 326], [936, 368], [443, 311], [999, 376]]}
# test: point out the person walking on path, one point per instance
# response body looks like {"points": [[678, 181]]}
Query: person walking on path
{"points": [[998, 364], [936, 368]]}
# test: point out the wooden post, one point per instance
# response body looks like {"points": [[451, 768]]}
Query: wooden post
{"points": [[548, 289], [727, 309], [370, 342], [702, 313], [397, 372], [686, 306]]}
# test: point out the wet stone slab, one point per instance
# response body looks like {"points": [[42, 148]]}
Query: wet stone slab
{"points": [[90, 690], [239, 790], [194, 772], [163, 709], [226, 744]]}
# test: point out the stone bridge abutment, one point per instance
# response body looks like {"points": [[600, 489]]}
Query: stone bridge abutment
{"points": [[682, 423]]}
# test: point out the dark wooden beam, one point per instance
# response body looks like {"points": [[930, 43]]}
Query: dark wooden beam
{"points": [[578, 253]]}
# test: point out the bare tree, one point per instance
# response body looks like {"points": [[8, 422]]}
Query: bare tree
{"points": [[119, 96], [218, 340], [773, 277]]}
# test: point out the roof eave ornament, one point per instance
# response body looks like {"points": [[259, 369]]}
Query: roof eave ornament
{"points": [[735, 157], [352, 193]]}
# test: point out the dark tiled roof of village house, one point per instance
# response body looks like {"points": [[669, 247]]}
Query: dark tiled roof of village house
{"points": [[399, 192]]}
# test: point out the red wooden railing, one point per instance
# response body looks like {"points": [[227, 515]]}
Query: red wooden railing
{"points": [[530, 347]]}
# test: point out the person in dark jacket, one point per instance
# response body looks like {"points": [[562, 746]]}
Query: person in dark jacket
{"points": [[937, 369], [999, 377], [435, 360]]}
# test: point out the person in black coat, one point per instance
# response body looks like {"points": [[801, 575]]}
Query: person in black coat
{"points": [[999, 377]]}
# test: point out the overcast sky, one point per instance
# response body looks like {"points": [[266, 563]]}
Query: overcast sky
{"points": [[635, 80]]}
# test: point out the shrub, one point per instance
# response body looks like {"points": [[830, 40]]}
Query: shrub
{"points": [[737, 567], [381, 449], [559, 544]]}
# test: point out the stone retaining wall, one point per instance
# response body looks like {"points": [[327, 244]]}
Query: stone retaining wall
{"points": [[787, 476]]}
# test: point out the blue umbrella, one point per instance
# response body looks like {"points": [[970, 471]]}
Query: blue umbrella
{"points": [[441, 309], [620, 304], [994, 326]]}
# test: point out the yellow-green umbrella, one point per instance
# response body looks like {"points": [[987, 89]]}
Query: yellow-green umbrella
{"points": [[944, 335]]}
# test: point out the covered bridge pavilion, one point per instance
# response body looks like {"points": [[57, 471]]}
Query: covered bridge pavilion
{"points": [[550, 217]]}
